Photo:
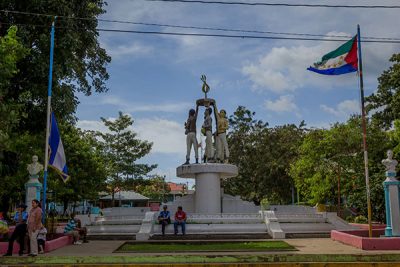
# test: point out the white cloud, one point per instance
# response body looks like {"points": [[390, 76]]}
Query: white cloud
{"points": [[167, 136], [283, 104], [140, 107], [284, 69], [127, 51], [343, 109]]}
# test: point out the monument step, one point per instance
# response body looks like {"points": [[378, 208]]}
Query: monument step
{"points": [[111, 236], [212, 236], [309, 235]]}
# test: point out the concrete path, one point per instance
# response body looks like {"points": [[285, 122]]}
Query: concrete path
{"points": [[304, 246]]}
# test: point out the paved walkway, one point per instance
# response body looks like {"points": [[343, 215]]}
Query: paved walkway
{"points": [[304, 246]]}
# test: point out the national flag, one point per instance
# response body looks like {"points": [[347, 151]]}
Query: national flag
{"points": [[57, 156], [340, 61]]}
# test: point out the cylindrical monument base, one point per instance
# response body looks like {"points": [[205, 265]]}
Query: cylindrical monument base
{"points": [[208, 193]]}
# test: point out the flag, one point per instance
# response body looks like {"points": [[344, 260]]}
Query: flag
{"points": [[57, 156], [340, 61]]}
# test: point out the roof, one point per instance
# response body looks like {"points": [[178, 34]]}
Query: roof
{"points": [[126, 195], [176, 187]]}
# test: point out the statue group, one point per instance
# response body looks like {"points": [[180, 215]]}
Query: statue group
{"points": [[217, 151]]}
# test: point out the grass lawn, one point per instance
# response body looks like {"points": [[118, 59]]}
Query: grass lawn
{"points": [[209, 246], [187, 260]]}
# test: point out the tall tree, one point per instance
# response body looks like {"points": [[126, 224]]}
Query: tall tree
{"points": [[122, 149], [11, 111], [327, 154], [79, 66], [86, 167], [263, 156], [385, 102]]}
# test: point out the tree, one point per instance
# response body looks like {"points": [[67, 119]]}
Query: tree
{"points": [[263, 156], [385, 103], [79, 66], [86, 167], [11, 51], [154, 188], [79, 61], [121, 150], [327, 153]]}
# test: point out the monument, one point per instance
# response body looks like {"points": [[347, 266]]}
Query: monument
{"points": [[392, 192], [33, 187], [207, 175]]}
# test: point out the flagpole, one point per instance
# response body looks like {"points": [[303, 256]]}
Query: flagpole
{"points": [[46, 151], [364, 126]]}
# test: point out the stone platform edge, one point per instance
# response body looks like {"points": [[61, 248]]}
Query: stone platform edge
{"points": [[360, 239]]}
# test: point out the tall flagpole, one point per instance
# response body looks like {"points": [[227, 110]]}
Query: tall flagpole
{"points": [[364, 125], [46, 151]]}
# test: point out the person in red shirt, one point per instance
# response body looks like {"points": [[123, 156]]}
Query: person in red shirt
{"points": [[180, 219]]}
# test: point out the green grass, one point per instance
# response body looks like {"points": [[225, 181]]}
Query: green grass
{"points": [[210, 246], [187, 259]]}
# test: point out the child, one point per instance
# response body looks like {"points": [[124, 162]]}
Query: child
{"points": [[41, 239]]}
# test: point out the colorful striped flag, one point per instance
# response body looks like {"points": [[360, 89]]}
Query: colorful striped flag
{"points": [[340, 61]]}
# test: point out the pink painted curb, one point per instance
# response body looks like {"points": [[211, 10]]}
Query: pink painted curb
{"points": [[360, 239], [50, 245]]}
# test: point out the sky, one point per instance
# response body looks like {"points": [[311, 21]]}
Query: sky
{"points": [[156, 78]]}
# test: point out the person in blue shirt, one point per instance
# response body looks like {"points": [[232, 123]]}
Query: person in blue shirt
{"points": [[72, 229], [164, 218], [20, 218]]}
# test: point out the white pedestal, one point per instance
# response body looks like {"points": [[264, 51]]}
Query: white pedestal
{"points": [[208, 193], [33, 188], [208, 176], [392, 195]]}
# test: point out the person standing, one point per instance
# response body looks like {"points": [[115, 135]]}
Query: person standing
{"points": [[20, 218], [164, 218], [180, 219], [191, 140], [34, 226], [207, 126], [222, 144]]}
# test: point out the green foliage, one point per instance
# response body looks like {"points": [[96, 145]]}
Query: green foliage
{"points": [[154, 187], [263, 156], [360, 219], [385, 102], [86, 167], [121, 149], [79, 66], [11, 51], [215, 246], [327, 155], [264, 203]]}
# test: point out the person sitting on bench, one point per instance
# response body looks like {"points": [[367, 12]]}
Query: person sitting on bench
{"points": [[180, 219], [164, 218]]}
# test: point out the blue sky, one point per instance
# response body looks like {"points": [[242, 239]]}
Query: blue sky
{"points": [[156, 79]]}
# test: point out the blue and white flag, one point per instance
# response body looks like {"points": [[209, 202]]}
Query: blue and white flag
{"points": [[57, 156]]}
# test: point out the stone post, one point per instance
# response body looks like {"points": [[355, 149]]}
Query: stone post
{"points": [[392, 196], [392, 204]]}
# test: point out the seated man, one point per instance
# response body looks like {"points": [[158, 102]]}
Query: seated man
{"points": [[180, 219], [20, 219], [82, 230], [164, 218], [72, 229]]}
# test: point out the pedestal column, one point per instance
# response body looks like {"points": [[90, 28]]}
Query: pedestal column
{"points": [[392, 203], [207, 199], [33, 188], [208, 193]]}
